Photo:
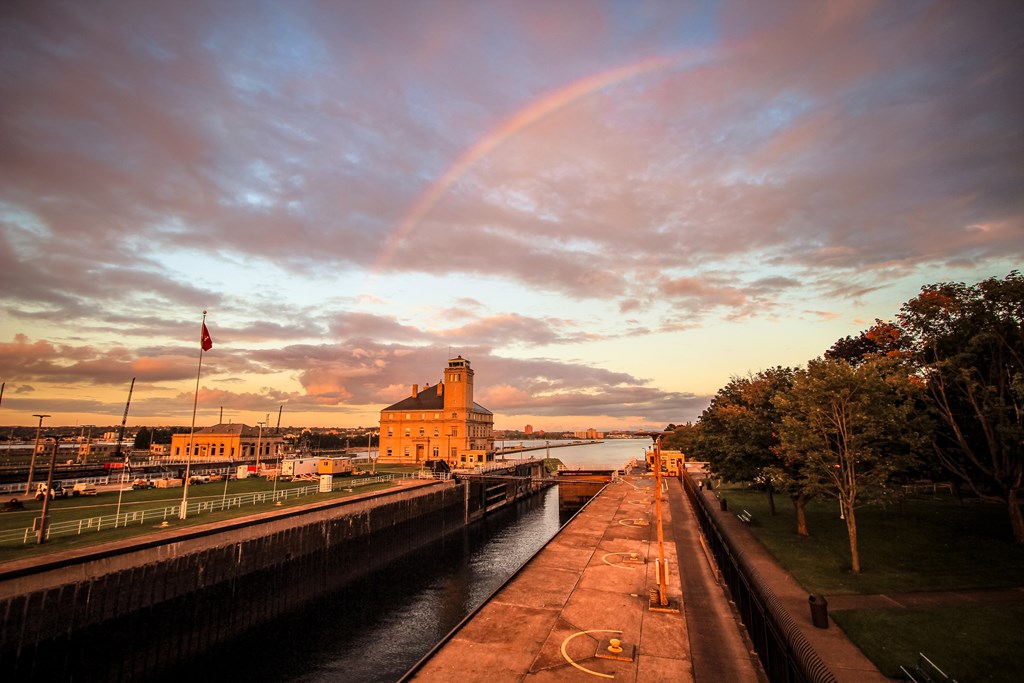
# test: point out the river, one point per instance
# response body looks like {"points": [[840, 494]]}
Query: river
{"points": [[376, 629]]}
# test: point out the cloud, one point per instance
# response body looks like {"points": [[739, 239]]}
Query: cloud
{"points": [[574, 178]]}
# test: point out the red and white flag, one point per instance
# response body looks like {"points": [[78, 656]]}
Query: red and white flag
{"points": [[206, 341]]}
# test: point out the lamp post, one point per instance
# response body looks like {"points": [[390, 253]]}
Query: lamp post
{"points": [[32, 463], [369, 453]]}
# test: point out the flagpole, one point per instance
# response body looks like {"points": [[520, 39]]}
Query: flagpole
{"points": [[192, 429]]}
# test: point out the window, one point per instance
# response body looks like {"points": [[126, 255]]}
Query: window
{"points": [[455, 431], [408, 431], [437, 452], [408, 416], [177, 450], [389, 453], [455, 416], [390, 431], [422, 431], [437, 432], [407, 451]]}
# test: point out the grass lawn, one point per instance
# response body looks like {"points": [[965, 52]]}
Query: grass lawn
{"points": [[934, 544], [66, 509], [976, 644]]}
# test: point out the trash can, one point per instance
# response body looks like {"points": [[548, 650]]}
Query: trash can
{"points": [[819, 610], [724, 504]]}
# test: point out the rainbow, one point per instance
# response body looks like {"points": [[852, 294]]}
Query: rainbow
{"points": [[517, 122]]}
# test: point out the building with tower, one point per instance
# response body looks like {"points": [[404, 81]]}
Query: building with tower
{"points": [[442, 422]]}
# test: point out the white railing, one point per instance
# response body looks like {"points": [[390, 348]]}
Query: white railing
{"points": [[193, 508]]}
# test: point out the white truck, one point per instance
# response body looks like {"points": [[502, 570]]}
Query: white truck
{"points": [[58, 490], [296, 468]]}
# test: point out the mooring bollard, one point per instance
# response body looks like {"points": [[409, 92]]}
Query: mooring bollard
{"points": [[724, 504]]}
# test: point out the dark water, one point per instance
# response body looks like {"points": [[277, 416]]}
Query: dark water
{"points": [[376, 629]]}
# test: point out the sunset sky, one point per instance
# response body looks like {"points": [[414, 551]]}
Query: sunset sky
{"points": [[610, 208]]}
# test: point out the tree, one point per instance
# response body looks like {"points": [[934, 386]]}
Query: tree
{"points": [[850, 428], [143, 438], [969, 341], [738, 431], [682, 438], [882, 339]]}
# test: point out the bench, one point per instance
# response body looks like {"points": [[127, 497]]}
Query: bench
{"points": [[925, 671], [745, 517]]}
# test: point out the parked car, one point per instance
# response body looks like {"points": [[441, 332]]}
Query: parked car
{"points": [[83, 489], [143, 484]]}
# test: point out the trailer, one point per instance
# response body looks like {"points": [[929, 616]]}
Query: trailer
{"points": [[299, 468], [335, 466], [245, 471]]}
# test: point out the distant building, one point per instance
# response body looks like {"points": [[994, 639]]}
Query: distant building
{"points": [[528, 429], [228, 441], [439, 423], [101, 449]]}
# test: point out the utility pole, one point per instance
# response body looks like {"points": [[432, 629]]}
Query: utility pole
{"points": [[43, 522], [32, 463], [259, 445]]}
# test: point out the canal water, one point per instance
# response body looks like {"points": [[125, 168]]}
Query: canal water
{"points": [[376, 629]]}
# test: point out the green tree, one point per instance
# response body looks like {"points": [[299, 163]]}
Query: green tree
{"points": [[682, 438], [882, 339], [738, 431], [850, 428], [969, 342], [143, 438]]}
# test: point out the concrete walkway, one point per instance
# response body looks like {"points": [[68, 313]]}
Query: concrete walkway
{"points": [[958, 598], [719, 647], [554, 619]]}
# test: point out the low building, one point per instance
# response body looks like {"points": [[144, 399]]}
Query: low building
{"points": [[228, 442], [672, 462], [439, 423]]}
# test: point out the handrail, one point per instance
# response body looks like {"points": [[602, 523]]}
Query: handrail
{"points": [[194, 507]]}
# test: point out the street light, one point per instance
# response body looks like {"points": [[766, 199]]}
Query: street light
{"points": [[32, 463]]}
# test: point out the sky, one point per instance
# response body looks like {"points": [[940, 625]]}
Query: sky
{"points": [[609, 208]]}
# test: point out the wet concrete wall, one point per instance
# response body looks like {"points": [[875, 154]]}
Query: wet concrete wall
{"points": [[129, 614]]}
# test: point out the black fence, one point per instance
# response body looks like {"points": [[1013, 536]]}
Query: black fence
{"points": [[785, 654]]}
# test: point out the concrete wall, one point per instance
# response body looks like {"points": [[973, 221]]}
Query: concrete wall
{"points": [[128, 613]]}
